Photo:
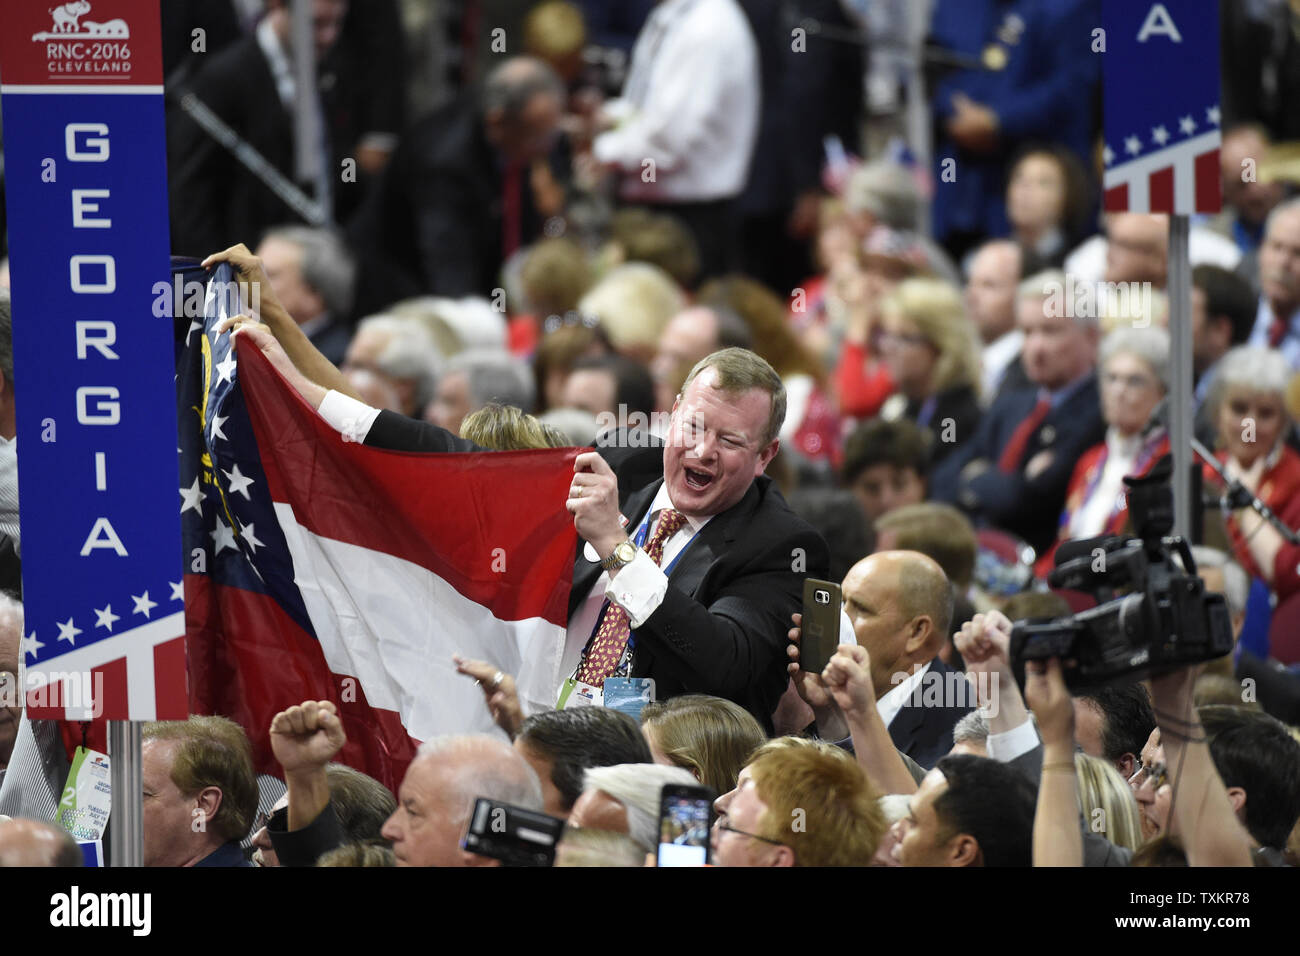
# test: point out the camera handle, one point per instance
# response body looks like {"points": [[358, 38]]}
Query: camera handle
{"points": [[1236, 495]]}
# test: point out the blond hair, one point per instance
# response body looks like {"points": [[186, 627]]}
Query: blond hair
{"points": [[633, 303], [822, 807], [937, 310], [1107, 801], [709, 736], [509, 428]]}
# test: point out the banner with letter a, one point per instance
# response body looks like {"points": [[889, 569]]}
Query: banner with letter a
{"points": [[86, 184], [1160, 73]]}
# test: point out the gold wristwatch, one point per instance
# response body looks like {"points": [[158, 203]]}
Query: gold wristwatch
{"points": [[622, 555]]}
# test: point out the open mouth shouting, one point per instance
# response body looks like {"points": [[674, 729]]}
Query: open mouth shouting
{"points": [[697, 479]]}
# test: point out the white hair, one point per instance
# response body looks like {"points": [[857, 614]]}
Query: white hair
{"points": [[409, 354], [494, 376], [895, 806], [638, 787], [1236, 582], [973, 727], [1150, 344], [1253, 367], [483, 767]]}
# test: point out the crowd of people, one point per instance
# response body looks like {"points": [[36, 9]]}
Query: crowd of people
{"points": [[668, 235]]}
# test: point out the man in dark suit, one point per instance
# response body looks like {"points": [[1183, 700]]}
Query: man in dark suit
{"points": [[250, 85], [695, 590], [1013, 473], [457, 199]]}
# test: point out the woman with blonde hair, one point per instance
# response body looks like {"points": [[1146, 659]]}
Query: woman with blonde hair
{"points": [[929, 346], [1107, 802], [711, 737]]}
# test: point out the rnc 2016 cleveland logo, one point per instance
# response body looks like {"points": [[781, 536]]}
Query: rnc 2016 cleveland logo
{"points": [[77, 47]]}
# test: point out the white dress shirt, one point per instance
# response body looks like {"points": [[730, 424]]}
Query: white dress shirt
{"points": [[996, 359], [898, 696], [690, 104]]}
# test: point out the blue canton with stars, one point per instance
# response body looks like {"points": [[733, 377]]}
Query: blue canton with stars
{"points": [[227, 522]]}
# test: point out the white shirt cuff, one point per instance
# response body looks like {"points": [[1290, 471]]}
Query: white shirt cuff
{"points": [[1016, 742], [350, 418], [638, 588]]}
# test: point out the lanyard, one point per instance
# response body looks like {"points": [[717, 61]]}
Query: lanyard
{"points": [[639, 539]]}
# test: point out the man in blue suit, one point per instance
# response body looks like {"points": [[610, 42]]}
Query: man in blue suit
{"points": [[1014, 471], [1038, 82]]}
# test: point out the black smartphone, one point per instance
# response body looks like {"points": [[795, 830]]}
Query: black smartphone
{"points": [[821, 624], [685, 815], [513, 835]]}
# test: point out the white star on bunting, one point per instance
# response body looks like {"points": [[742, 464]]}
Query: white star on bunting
{"points": [[31, 645], [1132, 145], [107, 618], [1160, 135], [68, 632], [217, 422], [142, 604], [1212, 115], [1187, 125], [178, 590]]}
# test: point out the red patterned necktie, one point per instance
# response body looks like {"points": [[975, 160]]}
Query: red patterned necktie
{"points": [[615, 626], [1009, 460]]}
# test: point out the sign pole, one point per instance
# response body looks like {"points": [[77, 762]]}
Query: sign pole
{"points": [[1180, 373], [126, 822]]}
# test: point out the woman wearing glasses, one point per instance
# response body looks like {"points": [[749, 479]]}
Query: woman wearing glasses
{"points": [[929, 347], [1134, 365]]}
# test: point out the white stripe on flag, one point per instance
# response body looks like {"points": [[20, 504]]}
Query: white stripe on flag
{"points": [[394, 625], [136, 645], [1136, 173]]}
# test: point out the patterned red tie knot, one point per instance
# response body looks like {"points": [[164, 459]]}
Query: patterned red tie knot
{"points": [[670, 522]]}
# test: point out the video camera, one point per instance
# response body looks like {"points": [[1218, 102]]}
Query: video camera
{"points": [[1152, 617]]}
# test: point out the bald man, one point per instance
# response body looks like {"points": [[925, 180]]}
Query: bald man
{"points": [[32, 843], [900, 604]]}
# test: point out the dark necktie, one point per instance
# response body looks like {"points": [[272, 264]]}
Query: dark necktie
{"points": [[615, 626], [1277, 330]]}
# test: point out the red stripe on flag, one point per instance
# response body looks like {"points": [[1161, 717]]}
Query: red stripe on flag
{"points": [[171, 694], [1162, 190], [248, 660], [1209, 184], [114, 689], [1117, 198], [492, 525]]}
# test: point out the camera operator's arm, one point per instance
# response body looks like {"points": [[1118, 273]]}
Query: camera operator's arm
{"points": [[1058, 840], [847, 678], [1202, 814], [305, 356]]}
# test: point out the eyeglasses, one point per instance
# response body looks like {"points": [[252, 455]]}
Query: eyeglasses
{"points": [[1134, 382], [1156, 772], [554, 323], [752, 836]]}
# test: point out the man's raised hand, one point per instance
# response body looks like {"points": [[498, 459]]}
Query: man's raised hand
{"points": [[307, 736], [593, 501], [499, 691], [847, 678]]}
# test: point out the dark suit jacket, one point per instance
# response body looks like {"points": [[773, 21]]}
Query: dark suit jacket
{"points": [[1026, 506], [332, 340], [956, 404], [433, 225], [924, 733], [722, 626]]}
